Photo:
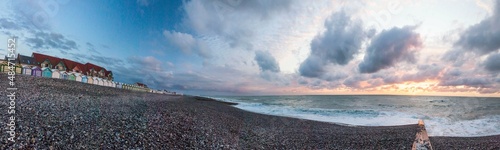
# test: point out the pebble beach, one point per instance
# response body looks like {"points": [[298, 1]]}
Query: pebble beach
{"points": [[62, 114]]}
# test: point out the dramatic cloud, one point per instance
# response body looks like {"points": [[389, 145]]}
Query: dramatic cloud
{"points": [[492, 63], [337, 45], [187, 43], [425, 72], [44, 40], [472, 82], [266, 61], [8, 25], [224, 18], [484, 37], [389, 47]]}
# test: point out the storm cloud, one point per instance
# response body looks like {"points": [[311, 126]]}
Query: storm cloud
{"points": [[484, 37], [492, 63], [44, 40], [337, 45], [390, 47], [266, 61]]}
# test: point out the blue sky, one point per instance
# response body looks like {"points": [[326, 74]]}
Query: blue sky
{"points": [[236, 47]]}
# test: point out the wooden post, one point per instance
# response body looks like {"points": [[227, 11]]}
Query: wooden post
{"points": [[422, 141]]}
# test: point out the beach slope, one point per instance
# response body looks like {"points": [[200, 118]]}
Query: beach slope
{"points": [[61, 114]]}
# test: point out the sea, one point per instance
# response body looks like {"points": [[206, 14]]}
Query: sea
{"points": [[443, 116]]}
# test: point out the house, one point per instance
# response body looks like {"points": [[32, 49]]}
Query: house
{"points": [[141, 85], [56, 74], [36, 71], [26, 62], [72, 66], [109, 75], [23, 60], [46, 72], [47, 61]]}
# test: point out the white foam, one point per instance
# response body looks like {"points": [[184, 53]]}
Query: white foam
{"points": [[463, 128], [435, 126], [353, 117]]}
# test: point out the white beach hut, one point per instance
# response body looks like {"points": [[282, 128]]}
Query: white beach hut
{"points": [[78, 77], [101, 82], [26, 70], [96, 81], [105, 82], [56, 74]]}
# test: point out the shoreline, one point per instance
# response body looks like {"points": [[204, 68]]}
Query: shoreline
{"points": [[53, 113]]}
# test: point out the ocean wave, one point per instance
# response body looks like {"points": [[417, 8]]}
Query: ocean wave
{"points": [[437, 123]]}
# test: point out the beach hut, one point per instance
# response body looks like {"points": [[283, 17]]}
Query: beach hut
{"points": [[78, 77], [101, 82], [113, 84], [71, 76], [104, 82], [90, 80], [64, 75], [36, 71], [96, 81], [18, 69], [84, 79], [118, 85], [56, 74], [46, 72], [26, 70]]}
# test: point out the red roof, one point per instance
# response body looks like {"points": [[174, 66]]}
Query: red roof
{"points": [[41, 58], [96, 67], [107, 73], [70, 65], [141, 84]]}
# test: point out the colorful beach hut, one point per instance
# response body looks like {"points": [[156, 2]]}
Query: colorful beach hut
{"points": [[64, 75], [71, 76], [46, 72], [36, 71], [90, 80], [18, 69], [26, 70], [56, 74], [84, 78]]}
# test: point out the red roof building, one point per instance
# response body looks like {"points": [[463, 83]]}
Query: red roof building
{"points": [[67, 65]]}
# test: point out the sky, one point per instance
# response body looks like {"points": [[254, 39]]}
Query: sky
{"points": [[272, 47]]}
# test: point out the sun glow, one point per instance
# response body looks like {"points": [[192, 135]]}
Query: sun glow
{"points": [[412, 87]]}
